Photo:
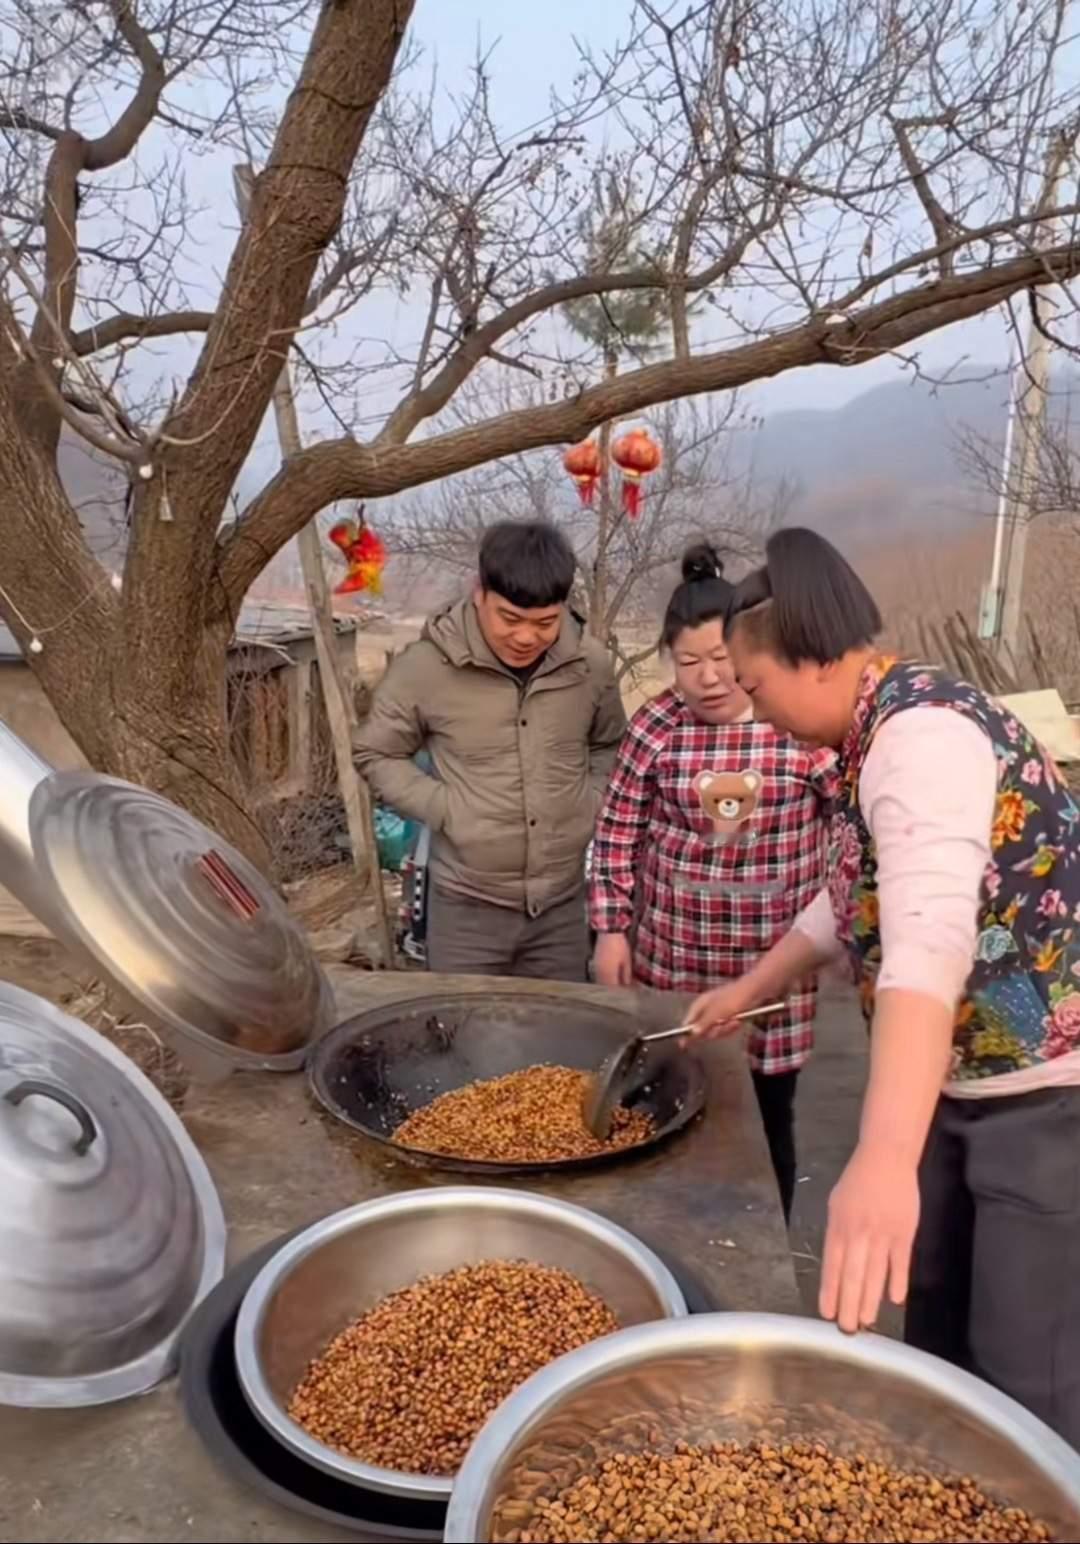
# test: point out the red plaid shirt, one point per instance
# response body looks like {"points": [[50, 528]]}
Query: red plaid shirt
{"points": [[704, 903]]}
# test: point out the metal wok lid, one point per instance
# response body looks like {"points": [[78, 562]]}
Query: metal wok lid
{"points": [[178, 919], [111, 1231]]}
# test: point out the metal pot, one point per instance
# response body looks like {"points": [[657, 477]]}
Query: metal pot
{"points": [[715, 1376], [344, 1265], [110, 1228]]}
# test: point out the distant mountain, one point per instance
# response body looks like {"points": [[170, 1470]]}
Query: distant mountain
{"points": [[884, 465]]}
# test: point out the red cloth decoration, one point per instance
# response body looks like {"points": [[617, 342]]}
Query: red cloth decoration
{"points": [[365, 554]]}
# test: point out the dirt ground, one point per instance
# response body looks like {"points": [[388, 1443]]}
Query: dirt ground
{"points": [[828, 1105], [41, 966]]}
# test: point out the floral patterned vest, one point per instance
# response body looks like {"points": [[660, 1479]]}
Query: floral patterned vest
{"points": [[1022, 1001]]}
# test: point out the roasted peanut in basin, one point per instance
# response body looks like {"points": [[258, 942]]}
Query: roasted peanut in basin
{"points": [[798, 1493], [410, 1383], [530, 1116]]}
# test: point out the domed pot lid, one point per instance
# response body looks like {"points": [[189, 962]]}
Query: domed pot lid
{"points": [[179, 920], [111, 1231]]}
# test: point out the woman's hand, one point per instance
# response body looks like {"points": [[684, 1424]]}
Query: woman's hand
{"points": [[713, 1015], [873, 1215], [612, 962], [796, 956]]}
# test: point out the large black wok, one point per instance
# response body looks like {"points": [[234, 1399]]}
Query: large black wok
{"points": [[373, 1070]]}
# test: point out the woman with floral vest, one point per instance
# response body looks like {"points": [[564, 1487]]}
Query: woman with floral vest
{"points": [[954, 892]]}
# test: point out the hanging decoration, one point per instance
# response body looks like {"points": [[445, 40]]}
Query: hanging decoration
{"points": [[365, 553], [586, 466], [636, 454]]}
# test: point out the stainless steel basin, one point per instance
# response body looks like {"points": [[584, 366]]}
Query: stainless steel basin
{"points": [[344, 1265], [721, 1376]]}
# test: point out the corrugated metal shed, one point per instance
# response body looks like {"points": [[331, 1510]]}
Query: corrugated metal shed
{"points": [[267, 623], [272, 622]]}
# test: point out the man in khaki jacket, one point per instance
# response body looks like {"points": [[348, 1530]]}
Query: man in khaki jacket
{"points": [[519, 711]]}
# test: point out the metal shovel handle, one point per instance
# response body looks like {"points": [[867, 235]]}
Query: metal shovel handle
{"points": [[686, 1029]]}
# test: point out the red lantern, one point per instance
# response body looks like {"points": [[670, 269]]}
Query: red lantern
{"points": [[586, 466], [636, 455]]}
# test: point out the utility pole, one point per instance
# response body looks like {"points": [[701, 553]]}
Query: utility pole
{"points": [[359, 815], [1027, 423]]}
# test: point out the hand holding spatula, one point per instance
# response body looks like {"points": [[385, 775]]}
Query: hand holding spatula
{"points": [[607, 1089]]}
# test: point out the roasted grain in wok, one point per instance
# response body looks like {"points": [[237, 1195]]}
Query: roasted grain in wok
{"points": [[530, 1116], [734, 1493], [410, 1384]]}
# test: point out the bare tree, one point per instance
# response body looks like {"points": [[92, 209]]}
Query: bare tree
{"points": [[831, 179], [1045, 484], [625, 568]]}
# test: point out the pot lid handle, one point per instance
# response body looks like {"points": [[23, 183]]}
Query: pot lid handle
{"points": [[228, 885], [31, 1086]]}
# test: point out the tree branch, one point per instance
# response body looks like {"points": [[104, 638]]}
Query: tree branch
{"points": [[346, 263], [52, 321], [345, 469], [71, 155], [943, 225], [48, 376], [432, 398], [125, 325], [15, 118], [118, 141]]}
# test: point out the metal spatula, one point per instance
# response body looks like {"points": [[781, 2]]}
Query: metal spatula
{"points": [[611, 1082]]}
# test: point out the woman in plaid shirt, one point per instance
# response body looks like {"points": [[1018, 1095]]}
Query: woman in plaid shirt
{"points": [[709, 843]]}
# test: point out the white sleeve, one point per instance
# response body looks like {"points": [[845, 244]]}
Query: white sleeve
{"points": [[817, 923], [927, 793]]}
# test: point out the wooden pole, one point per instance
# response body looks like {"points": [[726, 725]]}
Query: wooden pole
{"points": [[300, 724], [359, 814], [606, 517], [1029, 429]]}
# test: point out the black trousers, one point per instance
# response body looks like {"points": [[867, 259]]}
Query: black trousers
{"points": [[776, 1101], [995, 1284]]}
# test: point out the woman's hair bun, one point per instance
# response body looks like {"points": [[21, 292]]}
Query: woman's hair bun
{"points": [[701, 562]]}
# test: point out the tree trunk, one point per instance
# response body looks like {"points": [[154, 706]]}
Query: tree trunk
{"points": [[137, 679], [175, 745]]}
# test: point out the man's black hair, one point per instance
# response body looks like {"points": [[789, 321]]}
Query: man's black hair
{"points": [[806, 603], [529, 563], [703, 596]]}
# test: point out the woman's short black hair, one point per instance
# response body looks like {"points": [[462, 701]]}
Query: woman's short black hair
{"points": [[530, 563], [703, 596], [806, 603]]}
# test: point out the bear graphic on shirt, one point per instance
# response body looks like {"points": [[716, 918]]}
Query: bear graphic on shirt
{"points": [[729, 799]]}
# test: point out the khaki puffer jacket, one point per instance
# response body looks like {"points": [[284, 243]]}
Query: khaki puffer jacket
{"points": [[521, 769]]}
